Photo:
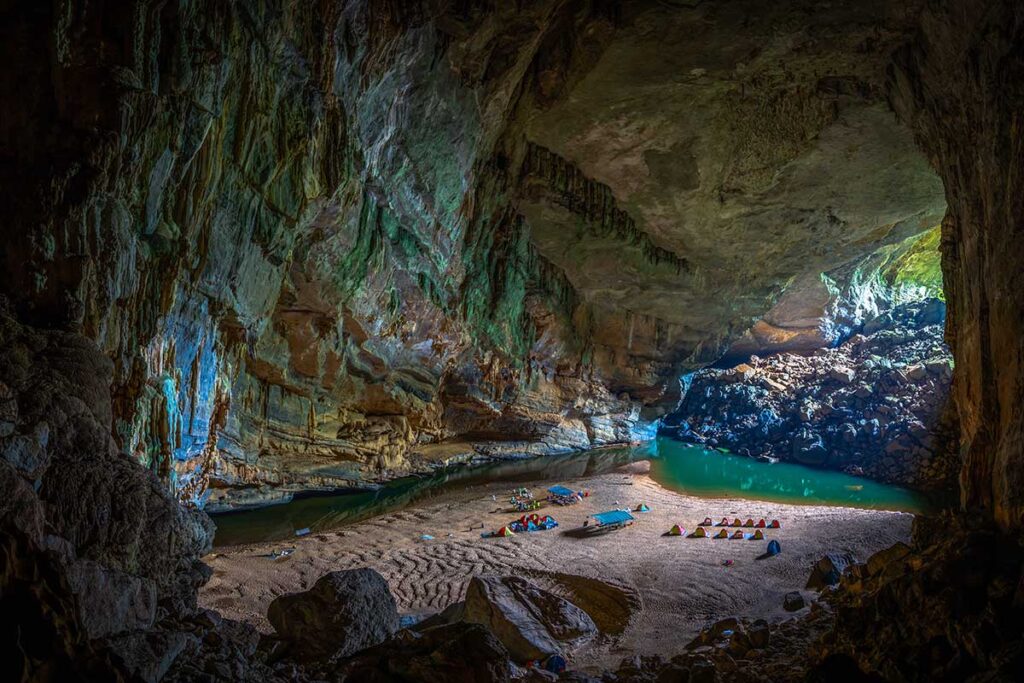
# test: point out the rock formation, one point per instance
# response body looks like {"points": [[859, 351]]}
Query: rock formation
{"points": [[968, 62], [254, 247], [344, 612], [317, 244], [873, 406]]}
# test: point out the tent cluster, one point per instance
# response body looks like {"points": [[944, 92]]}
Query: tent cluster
{"points": [[738, 534], [750, 524], [524, 524], [702, 529]]}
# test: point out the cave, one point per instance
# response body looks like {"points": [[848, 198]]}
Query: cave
{"points": [[468, 340]]}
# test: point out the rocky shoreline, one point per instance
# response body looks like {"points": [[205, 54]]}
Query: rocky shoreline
{"points": [[871, 406]]}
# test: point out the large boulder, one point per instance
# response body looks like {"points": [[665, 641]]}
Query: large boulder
{"points": [[531, 622], [829, 570], [809, 448], [344, 612], [111, 601]]}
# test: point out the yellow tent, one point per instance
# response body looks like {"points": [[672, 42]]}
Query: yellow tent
{"points": [[699, 533], [676, 530], [750, 522], [737, 522], [758, 536], [722, 534]]}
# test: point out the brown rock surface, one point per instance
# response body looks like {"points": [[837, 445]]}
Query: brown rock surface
{"points": [[344, 612], [531, 622], [966, 61]]}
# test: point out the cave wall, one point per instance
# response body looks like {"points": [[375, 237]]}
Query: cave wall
{"points": [[287, 225], [960, 84], [334, 242]]}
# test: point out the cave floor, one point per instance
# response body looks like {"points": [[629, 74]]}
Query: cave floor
{"points": [[669, 586]]}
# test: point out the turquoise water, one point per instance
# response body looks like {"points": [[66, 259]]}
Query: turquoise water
{"points": [[699, 472], [674, 465]]}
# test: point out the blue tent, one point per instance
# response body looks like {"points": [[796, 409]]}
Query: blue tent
{"points": [[774, 548], [613, 518], [561, 491]]}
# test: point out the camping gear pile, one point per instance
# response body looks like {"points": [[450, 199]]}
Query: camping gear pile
{"points": [[522, 500], [533, 522], [563, 495], [524, 524]]}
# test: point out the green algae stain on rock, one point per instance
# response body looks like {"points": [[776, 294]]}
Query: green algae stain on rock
{"points": [[918, 272]]}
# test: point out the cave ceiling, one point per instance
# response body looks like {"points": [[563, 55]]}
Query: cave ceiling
{"points": [[751, 141]]}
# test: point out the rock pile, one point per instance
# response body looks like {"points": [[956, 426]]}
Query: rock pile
{"points": [[953, 601], [733, 649], [869, 407]]}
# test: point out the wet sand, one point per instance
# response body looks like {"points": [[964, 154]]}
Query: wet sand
{"points": [[668, 586]]}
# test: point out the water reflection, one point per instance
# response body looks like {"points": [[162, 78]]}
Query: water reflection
{"points": [[322, 512]]}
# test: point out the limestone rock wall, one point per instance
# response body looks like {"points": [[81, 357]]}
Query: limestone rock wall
{"points": [[265, 215], [959, 84], [333, 242]]}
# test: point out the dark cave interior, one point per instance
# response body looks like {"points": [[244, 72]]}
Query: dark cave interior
{"points": [[261, 249]]}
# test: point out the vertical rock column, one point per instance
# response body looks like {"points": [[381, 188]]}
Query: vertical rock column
{"points": [[960, 84]]}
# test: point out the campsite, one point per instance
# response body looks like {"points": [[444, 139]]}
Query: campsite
{"points": [[650, 575]]}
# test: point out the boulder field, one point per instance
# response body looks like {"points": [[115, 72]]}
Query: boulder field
{"points": [[872, 406]]}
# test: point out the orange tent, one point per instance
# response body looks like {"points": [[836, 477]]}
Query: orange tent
{"points": [[699, 533], [737, 522], [749, 523]]}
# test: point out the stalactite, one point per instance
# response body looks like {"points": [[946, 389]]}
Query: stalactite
{"points": [[595, 202]]}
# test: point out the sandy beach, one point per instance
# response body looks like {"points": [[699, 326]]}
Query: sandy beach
{"points": [[654, 591]]}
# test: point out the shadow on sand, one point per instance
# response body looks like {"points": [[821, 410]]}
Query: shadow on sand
{"points": [[590, 531]]}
